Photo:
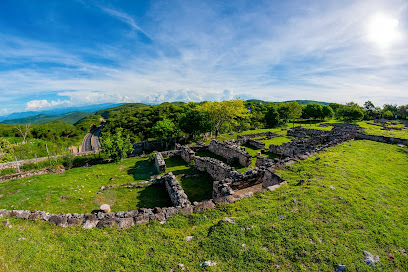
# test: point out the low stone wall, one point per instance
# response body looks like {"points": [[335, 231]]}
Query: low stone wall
{"points": [[255, 143], [159, 162], [230, 152], [264, 161], [215, 168], [22, 162], [317, 143], [301, 132], [382, 139], [30, 174], [101, 220], [249, 178], [186, 153], [176, 193], [267, 134], [270, 178], [170, 153]]}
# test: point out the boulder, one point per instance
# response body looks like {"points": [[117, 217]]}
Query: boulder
{"points": [[124, 223]]}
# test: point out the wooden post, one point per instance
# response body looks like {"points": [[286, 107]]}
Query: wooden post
{"points": [[36, 160], [55, 157], [48, 153], [17, 166]]}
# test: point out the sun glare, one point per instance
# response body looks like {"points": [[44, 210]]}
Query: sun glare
{"points": [[383, 30]]}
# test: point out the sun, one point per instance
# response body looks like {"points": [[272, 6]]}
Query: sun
{"points": [[383, 30]]}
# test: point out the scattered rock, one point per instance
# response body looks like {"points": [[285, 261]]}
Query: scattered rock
{"points": [[317, 158], [229, 220], [326, 164], [295, 211], [81, 198], [248, 228], [403, 251], [204, 205], [1, 196], [105, 208], [294, 200], [189, 238], [300, 182], [6, 223], [208, 263], [332, 187], [370, 259], [340, 267], [21, 239], [390, 257], [280, 217]]}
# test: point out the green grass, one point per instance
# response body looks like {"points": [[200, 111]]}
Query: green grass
{"points": [[58, 193], [196, 185], [276, 141], [308, 227], [377, 130]]}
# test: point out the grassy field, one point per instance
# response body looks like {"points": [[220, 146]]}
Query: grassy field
{"points": [[377, 130], [352, 199]]}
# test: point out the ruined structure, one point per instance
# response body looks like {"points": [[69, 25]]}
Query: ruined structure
{"points": [[231, 152], [159, 162]]}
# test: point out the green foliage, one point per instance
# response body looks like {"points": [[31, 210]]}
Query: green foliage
{"points": [[7, 171], [327, 112], [314, 110], [116, 146], [224, 113], [387, 114], [28, 167], [85, 124], [350, 112], [68, 161], [70, 118], [272, 117], [165, 130], [195, 122]]}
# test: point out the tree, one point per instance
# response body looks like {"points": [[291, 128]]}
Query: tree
{"points": [[116, 146], [392, 108], [195, 122], [5, 151], [350, 112], [314, 110], [165, 130], [403, 111], [295, 110], [224, 112], [24, 129], [327, 112], [272, 117], [387, 114]]}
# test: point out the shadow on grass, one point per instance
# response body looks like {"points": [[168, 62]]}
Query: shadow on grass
{"points": [[154, 196], [197, 188], [142, 170]]}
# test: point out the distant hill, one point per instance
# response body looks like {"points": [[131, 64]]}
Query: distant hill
{"points": [[305, 102], [105, 112], [301, 102], [58, 111], [70, 118]]}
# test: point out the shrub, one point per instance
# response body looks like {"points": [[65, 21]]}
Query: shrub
{"points": [[28, 166], [7, 171], [67, 161]]}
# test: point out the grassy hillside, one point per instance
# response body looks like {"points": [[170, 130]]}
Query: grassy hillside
{"points": [[352, 200], [105, 112], [70, 118]]}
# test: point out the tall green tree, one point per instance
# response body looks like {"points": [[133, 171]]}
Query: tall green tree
{"points": [[224, 113], [195, 122], [350, 112], [272, 117], [116, 146], [313, 110], [165, 130]]}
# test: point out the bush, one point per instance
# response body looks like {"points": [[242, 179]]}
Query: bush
{"points": [[7, 171], [67, 161], [28, 166]]}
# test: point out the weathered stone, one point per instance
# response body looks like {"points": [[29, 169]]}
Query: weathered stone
{"points": [[34, 216], [230, 152], [204, 205], [124, 223], [106, 223], [105, 208], [142, 218], [90, 221], [189, 238], [58, 220], [6, 223], [72, 222], [208, 263], [159, 162], [176, 192], [340, 267], [370, 259]]}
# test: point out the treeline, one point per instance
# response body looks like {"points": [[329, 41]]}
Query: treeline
{"points": [[167, 120], [26, 141]]}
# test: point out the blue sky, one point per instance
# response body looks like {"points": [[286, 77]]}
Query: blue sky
{"points": [[77, 52]]}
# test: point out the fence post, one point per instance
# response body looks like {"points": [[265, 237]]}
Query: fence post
{"points": [[55, 157], [48, 153], [17, 166], [36, 159]]}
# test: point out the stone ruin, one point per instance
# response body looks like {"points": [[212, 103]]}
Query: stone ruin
{"points": [[230, 151], [227, 181]]}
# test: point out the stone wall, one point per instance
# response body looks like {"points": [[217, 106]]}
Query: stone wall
{"points": [[267, 135], [249, 178], [382, 139], [159, 162], [230, 152], [215, 168], [22, 162], [170, 153], [255, 143], [30, 174], [270, 178], [176, 193], [186, 153]]}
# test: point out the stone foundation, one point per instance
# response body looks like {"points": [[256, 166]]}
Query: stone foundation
{"points": [[159, 162], [176, 193], [230, 152]]}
